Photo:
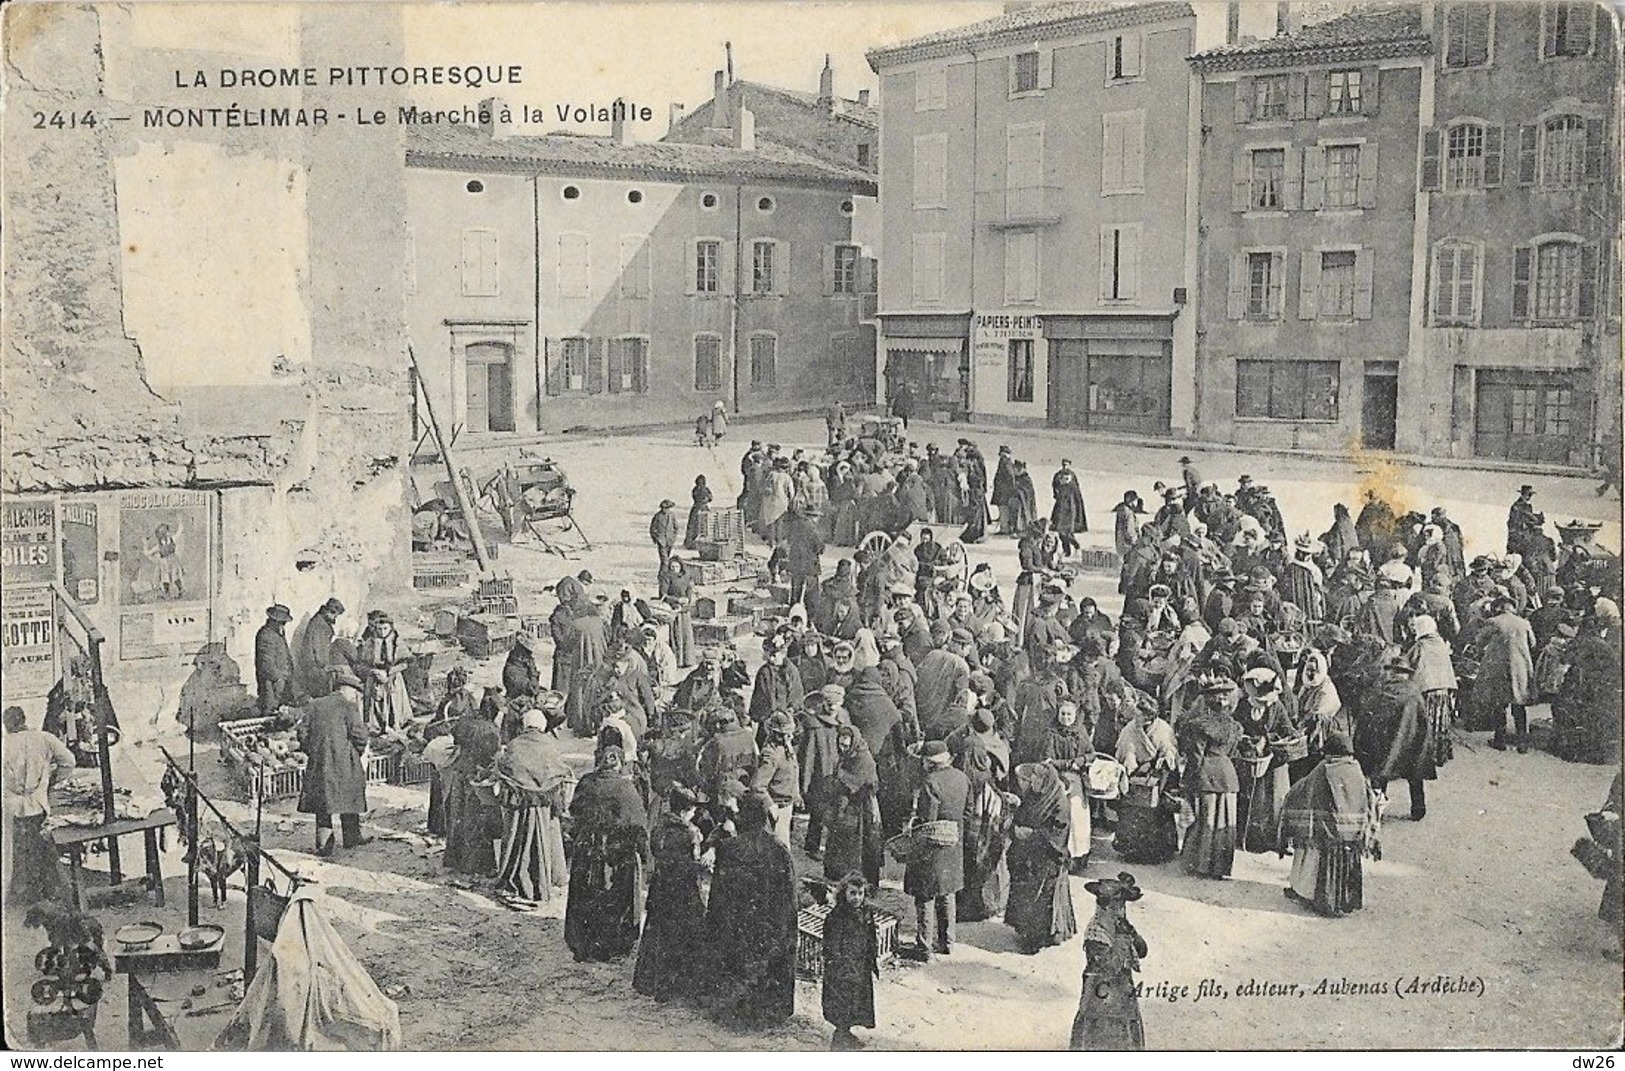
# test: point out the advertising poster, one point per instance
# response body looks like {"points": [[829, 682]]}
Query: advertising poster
{"points": [[27, 541], [164, 583], [80, 553], [27, 641]]}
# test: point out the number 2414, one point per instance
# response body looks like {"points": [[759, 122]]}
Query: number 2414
{"points": [[63, 120]]}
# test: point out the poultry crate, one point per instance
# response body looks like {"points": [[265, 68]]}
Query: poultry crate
{"points": [[810, 939]]}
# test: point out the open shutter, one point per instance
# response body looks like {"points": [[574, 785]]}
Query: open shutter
{"points": [[1108, 261], [1586, 301], [1594, 149], [617, 365], [1440, 284], [1370, 90], [829, 270], [1364, 277], [1314, 95], [691, 266], [1277, 296], [1433, 159], [1046, 68], [1528, 155], [553, 356], [726, 267], [866, 274], [1308, 285], [1236, 296], [1295, 91], [1292, 181], [1523, 268], [1244, 100], [1366, 188], [1314, 176], [595, 365], [1494, 151], [1130, 67], [1128, 263], [1241, 182], [781, 267]]}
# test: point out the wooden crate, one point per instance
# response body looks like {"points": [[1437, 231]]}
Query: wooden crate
{"points": [[725, 525], [1099, 560], [412, 770], [487, 635], [441, 571], [810, 939], [723, 630]]}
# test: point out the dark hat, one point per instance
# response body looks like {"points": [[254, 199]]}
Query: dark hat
{"points": [[1170, 493], [961, 636], [333, 605], [681, 797], [1184, 460], [585, 576], [934, 749], [1122, 887], [781, 723], [981, 683], [1244, 478], [279, 613], [1526, 489], [666, 503]]}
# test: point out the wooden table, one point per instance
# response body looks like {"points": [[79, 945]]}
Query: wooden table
{"points": [[148, 1026], [74, 838]]}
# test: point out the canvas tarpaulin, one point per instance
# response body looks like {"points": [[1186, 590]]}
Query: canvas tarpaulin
{"points": [[312, 995]]}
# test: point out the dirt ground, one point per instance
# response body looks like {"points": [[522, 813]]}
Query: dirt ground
{"points": [[1482, 893]]}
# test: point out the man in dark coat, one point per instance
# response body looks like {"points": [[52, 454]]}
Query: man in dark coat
{"points": [[1393, 735], [1127, 515], [902, 403], [751, 922], [804, 551], [778, 682], [316, 648], [944, 677], [663, 532], [1193, 482], [1523, 521], [1004, 490], [1068, 516], [937, 871], [273, 662], [333, 737]]}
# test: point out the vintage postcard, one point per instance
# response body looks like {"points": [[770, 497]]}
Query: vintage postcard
{"points": [[761, 526]]}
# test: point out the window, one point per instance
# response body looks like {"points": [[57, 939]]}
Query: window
{"points": [[571, 193], [931, 90], [1342, 176], [1525, 410], [1343, 93], [845, 269], [1337, 285], [1286, 390], [708, 200], [635, 266], [475, 186], [1024, 163], [1123, 57], [1464, 157], [1565, 29], [1256, 278], [1020, 266], [634, 197], [1268, 178], [846, 208], [761, 267], [928, 266], [1455, 283], [864, 149], [1122, 152], [708, 266], [930, 170], [1467, 30], [575, 266], [1261, 281], [1269, 97], [765, 204], [1120, 262], [707, 363], [764, 359], [629, 366], [1559, 417], [1557, 281], [480, 263], [1024, 72], [1020, 385], [574, 357], [1563, 153]]}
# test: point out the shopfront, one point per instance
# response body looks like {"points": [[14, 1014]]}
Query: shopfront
{"points": [[1112, 374], [931, 355], [1532, 416]]}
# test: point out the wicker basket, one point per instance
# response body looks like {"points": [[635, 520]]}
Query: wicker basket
{"points": [[1291, 748], [1255, 764]]}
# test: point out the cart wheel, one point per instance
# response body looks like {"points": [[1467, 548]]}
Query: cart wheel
{"points": [[875, 543]]}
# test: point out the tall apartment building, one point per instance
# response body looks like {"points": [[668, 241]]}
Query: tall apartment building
{"points": [[1307, 241], [1517, 352], [1038, 170]]}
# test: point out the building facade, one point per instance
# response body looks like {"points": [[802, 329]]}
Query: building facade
{"points": [[1517, 335], [1038, 170], [568, 281], [1307, 239]]}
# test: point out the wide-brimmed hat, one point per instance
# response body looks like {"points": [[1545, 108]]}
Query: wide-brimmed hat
{"points": [[334, 605], [1122, 887], [1526, 489], [279, 613], [1184, 459], [666, 503]]}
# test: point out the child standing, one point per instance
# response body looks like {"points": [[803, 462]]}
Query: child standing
{"points": [[851, 962]]}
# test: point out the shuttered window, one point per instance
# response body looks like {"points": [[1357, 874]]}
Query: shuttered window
{"points": [[707, 363], [1024, 72], [480, 263], [1467, 30], [762, 267], [1341, 176], [1020, 267], [1455, 283], [636, 264], [1343, 92], [1337, 285], [628, 365], [575, 266], [1269, 97], [1123, 57], [1268, 179], [764, 362], [931, 90], [930, 170], [1263, 284], [1557, 281], [845, 269], [1464, 157], [927, 268], [1120, 262], [1566, 29], [1122, 152], [1563, 153], [707, 266]]}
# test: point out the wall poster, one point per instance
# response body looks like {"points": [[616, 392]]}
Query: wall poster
{"points": [[28, 542], [164, 557], [28, 642], [81, 553]]}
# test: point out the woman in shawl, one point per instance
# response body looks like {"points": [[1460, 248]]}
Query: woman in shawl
{"points": [[851, 963], [579, 642], [843, 506], [1146, 832], [1208, 735], [1023, 499], [701, 494], [1320, 711], [1065, 748], [534, 785], [380, 661], [669, 953], [751, 921], [983, 756], [1263, 774], [853, 816], [1340, 538], [610, 833], [975, 503], [456, 704], [1326, 822], [1108, 1016], [1040, 906], [473, 822], [1436, 678], [677, 589]]}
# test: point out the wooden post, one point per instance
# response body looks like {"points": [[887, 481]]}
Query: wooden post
{"points": [[251, 937], [457, 489], [191, 820]]}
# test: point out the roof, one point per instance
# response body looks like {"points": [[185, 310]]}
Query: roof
{"points": [[462, 147], [806, 131], [1370, 33], [845, 107], [1039, 22]]}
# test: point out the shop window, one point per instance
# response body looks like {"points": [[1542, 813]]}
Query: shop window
{"points": [[1287, 390], [1020, 385]]}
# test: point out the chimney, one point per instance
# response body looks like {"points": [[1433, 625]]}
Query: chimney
{"points": [[863, 97], [1232, 22], [492, 109], [826, 87], [744, 130], [721, 113], [1283, 18], [617, 121], [674, 116]]}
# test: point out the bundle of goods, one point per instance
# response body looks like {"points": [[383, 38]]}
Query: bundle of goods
{"points": [[267, 759]]}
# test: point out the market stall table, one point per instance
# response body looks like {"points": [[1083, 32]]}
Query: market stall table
{"points": [[73, 838], [164, 956]]}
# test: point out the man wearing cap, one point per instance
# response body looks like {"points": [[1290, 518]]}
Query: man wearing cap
{"points": [[778, 682], [1506, 672], [1126, 516], [273, 662], [1524, 522], [1170, 521], [663, 532], [936, 871], [333, 737], [944, 676], [777, 772], [1393, 737], [316, 648]]}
